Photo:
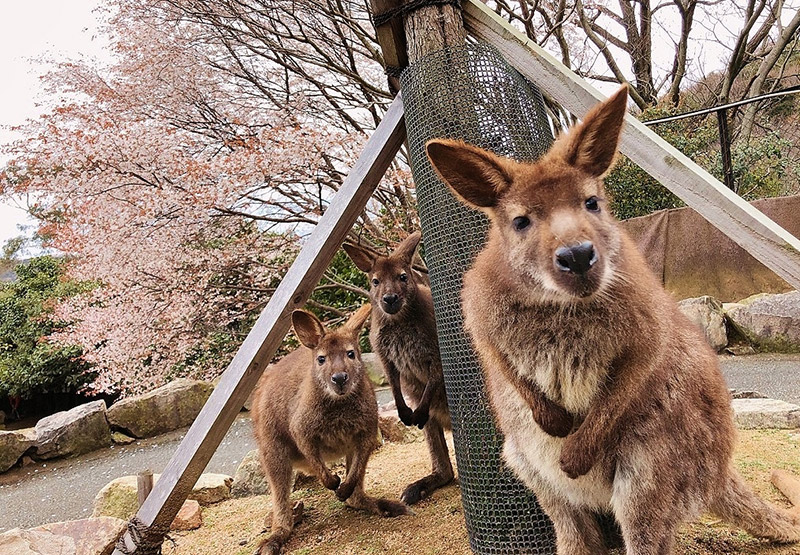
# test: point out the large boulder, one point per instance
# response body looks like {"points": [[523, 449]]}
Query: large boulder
{"points": [[30, 542], [92, 536], [770, 322], [73, 432], [374, 368], [13, 445], [162, 410], [765, 413], [706, 312], [119, 497], [249, 478]]}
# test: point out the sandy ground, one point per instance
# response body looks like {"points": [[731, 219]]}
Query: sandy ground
{"points": [[437, 526]]}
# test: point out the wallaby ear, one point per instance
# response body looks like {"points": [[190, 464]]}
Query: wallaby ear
{"points": [[405, 250], [308, 328], [362, 258], [478, 176], [592, 145], [358, 318]]}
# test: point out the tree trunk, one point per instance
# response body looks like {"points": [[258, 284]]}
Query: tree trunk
{"points": [[433, 28]]}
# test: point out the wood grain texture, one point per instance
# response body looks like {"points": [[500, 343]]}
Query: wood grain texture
{"points": [[761, 237], [391, 38], [260, 345]]}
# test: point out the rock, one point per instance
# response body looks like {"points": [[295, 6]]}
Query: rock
{"points": [[374, 368], [393, 430], [167, 408], [73, 432], [765, 413], [249, 478], [770, 322], [29, 542], [707, 313], [121, 439], [13, 445], [189, 517], [92, 536], [118, 498], [747, 394]]}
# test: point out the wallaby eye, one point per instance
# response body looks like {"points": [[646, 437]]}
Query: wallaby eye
{"points": [[403, 277], [591, 204], [521, 222], [321, 359], [375, 281], [351, 354]]}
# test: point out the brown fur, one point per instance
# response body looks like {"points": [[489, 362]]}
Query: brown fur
{"points": [[403, 334], [654, 434], [302, 419]]}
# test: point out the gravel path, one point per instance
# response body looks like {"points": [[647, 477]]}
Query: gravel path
{"points": [[64, 490]]}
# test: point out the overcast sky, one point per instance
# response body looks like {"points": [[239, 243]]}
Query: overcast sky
{"points": [[29, 30]]}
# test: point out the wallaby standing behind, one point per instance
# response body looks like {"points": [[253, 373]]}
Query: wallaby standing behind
{"points": [[403, 334], [316, 405], [560, 304]]}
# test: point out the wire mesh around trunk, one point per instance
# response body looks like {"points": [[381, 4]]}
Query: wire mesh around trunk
{"points": [[471, 93]]}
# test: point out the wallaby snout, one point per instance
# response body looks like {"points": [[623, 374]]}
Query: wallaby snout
{"points": [[339, 379], [390, 303], [577, 259]]}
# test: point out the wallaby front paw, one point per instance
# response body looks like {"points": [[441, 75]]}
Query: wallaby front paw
{"points": [[344, 491], [577, 458], [555, 421], [420, 418], [406, 415], [332, 481]]}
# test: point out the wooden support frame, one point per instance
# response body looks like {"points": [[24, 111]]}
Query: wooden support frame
{"points": [[241, 376], [765, 240]]}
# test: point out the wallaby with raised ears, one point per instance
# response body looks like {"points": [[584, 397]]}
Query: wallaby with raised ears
{"points": [[403, 334], [315, 405], [560, 304]]}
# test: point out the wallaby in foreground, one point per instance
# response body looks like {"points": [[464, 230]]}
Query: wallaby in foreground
{"points": [[569, 322], [403, 334], [315, 405]]}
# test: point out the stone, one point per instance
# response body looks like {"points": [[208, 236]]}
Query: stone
{"points": [[765, 413], [769, 322], [747, 394], [393, 430], [162, 410], [374, 368], [189, 517], [73, 432], [14, 444], [706, 312], [121, 439], [249, 478], [30, 542], [92, 536], [119, 499]]}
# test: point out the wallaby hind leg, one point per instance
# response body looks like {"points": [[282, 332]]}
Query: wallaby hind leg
{"points": [[738, 504], [284, 516], [358, 499], [442, 473], [577, 530]]}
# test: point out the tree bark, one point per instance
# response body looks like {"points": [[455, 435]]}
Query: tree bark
{"points": [[433, 28]]}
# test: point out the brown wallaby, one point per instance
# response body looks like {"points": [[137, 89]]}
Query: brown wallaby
{"points": [[316, 405], [403, 334], [569, 322]]}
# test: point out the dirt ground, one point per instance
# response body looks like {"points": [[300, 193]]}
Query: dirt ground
{"points": [[235, 527]]}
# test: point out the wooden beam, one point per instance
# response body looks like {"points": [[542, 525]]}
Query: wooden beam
{"points": [[258, 348], [391, 38], [765, 240]]}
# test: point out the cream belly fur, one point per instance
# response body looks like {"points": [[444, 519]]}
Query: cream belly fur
{"points": [[534, 456]]}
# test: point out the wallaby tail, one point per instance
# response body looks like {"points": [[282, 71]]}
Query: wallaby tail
{"points": [[738, 504]]}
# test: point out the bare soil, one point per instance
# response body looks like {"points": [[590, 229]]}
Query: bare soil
{"points": [[235, 527]]}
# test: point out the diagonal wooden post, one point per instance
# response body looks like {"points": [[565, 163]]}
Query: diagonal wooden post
{"points": [[765, 240], [246, 368]]}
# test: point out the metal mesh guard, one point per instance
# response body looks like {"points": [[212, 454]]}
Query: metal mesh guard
{"points": [[471, 93]]}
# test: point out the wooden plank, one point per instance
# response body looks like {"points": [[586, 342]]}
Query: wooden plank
{"points": [[259, 346], [144, 485], [391, 38], [765, 240]]}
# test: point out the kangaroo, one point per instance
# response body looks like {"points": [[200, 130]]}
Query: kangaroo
{"points": [[315, 405], [403, 334], [560, 303]]}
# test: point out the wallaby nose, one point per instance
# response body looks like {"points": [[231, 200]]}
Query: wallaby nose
{"points": [[390, 299], [340, 378], [576, 259]]}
